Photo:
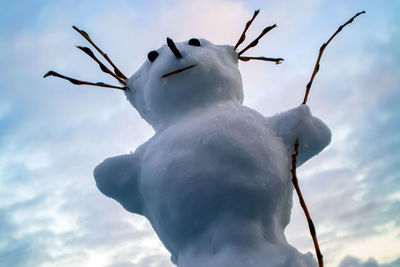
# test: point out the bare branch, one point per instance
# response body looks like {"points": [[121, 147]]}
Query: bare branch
{"points": [[86, 36], [276, 60], [178, 71], [90, 53], [321, 51], [255, 42], [173, 48], [243, 35], [311, 226], [296, 145], [79, 82]]}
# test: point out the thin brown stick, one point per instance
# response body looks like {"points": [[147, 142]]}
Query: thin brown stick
{"points": [[296, 145], [311, 226], [276, 60], [321, 51], [79, 82], [255, 42], [173, 48], [86, 36], [178, 71], [243, 35], [90, 53]]}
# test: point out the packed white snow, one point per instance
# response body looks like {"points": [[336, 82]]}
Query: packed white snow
{"points": [[214, 180]]}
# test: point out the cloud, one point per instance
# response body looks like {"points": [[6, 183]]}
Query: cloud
{"points": [[122, 264], [350, 261], [21, 246]]}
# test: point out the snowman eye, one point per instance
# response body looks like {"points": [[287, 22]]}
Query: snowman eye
{"points": [[194, 42], [152, 55]]}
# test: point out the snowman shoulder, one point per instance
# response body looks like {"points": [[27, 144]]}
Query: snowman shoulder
{"points": [[119, 177], [285, 122], [299, 124]]}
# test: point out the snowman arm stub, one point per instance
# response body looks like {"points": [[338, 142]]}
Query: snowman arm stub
{"points": [[298, 123], [118, 178]]}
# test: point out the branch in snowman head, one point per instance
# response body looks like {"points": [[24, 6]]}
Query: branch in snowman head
{"points": [[86, 36], [79, 82], [117, 74], [255, 42], [276, 60], [90, 53], [243, 35]]}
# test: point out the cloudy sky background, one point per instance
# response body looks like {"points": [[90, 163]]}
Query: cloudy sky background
{"points": [[52, 133]]}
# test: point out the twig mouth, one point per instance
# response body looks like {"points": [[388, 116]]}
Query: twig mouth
{"points": [[177, 71]]}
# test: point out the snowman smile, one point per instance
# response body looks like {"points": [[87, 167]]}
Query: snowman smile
{"points": [[177, 71]]}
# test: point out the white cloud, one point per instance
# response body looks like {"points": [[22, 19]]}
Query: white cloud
{"points": [[350, 261]]}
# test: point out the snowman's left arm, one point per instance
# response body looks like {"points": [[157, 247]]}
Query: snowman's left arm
{"points": [[298, 123], [118, 178]]}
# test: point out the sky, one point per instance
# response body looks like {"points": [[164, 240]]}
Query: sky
{"points": [[53, 133]]}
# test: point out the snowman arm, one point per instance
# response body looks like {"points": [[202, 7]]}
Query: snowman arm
{"points": [[298, 123], [118, 178]]}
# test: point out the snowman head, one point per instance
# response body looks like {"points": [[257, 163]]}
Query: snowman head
{"points": [[180, 77], [177, 78]]}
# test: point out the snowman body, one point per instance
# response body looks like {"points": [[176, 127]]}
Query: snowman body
{"points": [[214, 180]]}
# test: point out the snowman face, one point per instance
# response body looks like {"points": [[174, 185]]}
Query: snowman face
{"points": [[178, 78], [174, 81]]}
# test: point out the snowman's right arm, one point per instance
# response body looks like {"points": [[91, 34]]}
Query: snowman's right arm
{"points": [[118, 178], [298, 123]]}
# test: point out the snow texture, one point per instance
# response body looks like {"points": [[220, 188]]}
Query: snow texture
{"points": [[214, 181]]}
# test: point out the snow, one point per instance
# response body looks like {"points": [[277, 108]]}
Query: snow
{"points": [[162, 100], [214, 181]]}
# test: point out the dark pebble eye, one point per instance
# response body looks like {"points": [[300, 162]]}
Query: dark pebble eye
{"points": [[194, 42], [152, 55]]}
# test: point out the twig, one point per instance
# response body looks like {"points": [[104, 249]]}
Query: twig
{"points": [[178, 71], [296, 146], [303, 204], [276, 60], [173, 48], [243, 35], [255, 42], [86, 36], [90, 53], [321, 51], [79, 82]]}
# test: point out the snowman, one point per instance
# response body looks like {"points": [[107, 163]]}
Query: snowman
{"points": [[214, 181]]}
